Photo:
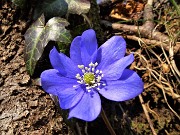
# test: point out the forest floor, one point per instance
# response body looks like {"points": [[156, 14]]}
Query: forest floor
{"points": [[26, 109]]}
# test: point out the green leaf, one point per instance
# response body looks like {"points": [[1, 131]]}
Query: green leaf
{"points": [[55, 28], [38, 36], [78, 6], [50, 8]]}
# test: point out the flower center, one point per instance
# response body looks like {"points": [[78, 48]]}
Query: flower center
{"points": [[91, 77], [88, 78]]}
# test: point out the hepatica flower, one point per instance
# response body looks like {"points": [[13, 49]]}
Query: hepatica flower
{"points": [[90, 71]]}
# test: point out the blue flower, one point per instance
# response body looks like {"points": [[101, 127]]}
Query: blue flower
{"points": [[90, 71]]}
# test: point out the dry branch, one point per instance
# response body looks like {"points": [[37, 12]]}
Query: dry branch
{"points": [[147, 30], [147, 115]]}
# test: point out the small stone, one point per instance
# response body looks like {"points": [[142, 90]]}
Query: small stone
{"points": [[33, 103], [20, 115], [25, 79]]}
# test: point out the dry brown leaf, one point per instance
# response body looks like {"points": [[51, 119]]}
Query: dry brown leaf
{"points": [[127, 10]]}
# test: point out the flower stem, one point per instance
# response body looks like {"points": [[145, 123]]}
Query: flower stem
{"points": [[106, 121]]}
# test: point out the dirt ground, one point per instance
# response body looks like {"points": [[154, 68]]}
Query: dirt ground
{"points": [[25, 109]]}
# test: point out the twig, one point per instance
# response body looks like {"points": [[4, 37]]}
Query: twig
{"points": [[87, 19], [127, 119], [106, 121], [78, 129], [171, 56], [170, 63], [147, 115], [167, 101], [170, 93], [147, 30], [85, 129], [153, 43], [159, 81]]}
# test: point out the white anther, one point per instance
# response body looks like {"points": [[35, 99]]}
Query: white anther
{"points": [[81, 66], [98, 78], [93, 86], [88, 87], [79, 82], [91, 64], [93, 81], [83, 71], [97, 71], [78, 76], [89, 90], [86, 68]]}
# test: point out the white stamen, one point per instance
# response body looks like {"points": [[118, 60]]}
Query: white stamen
{"points": [[91, 64], [83, 71], [96, 64], [97, 71], [89, 90], [98, 78], [88, 87], [81, 66], [78, 76], [86, 68], [93, 81], [79, 82], [96, 83]]}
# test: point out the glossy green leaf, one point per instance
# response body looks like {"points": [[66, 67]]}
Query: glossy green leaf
{"points": [[78, 6], [50, 8], [38, 36]]}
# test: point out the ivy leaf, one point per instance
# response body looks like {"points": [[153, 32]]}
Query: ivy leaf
{"points": [[50, 8], [55, 28], [38, 36], [78, 6]]}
